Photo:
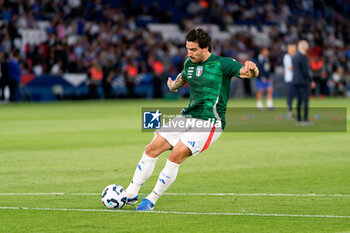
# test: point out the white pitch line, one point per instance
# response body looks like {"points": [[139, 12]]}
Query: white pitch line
{"points": [[188, 194], [31, 194], [259, 194], [86, 194], [236, 194], [175, 212]]}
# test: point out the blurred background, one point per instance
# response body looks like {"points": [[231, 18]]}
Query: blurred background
{"points": [[104, 49]]}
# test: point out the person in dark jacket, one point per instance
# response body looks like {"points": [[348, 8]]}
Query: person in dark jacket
{"points": [[14, 75], [3, 73], [301, 81]]}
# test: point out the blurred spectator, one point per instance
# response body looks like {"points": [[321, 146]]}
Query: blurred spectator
{"points": [[108, 74], [339, 82], [288, 76], [38, 68], [131, 71], [319, 76], [158, 77], [6, 43], [95, 78], [3, 73], [14, 73], [264, 81], [347, 80], [56, 69]]}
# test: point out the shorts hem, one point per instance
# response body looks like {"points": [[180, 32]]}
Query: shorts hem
{"points": [[167, 139], [187, 145]]}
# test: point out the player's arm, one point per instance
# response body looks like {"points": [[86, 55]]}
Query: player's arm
{"points": [[176, 84], [249, 70]]}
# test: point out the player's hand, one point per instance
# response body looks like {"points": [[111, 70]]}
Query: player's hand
{"points": [[249, 65], [170, 85], [313, 85], [249, 70]]}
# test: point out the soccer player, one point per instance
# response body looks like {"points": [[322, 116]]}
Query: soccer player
{"points": [[209, 77], [288, 76], [264, 82]]}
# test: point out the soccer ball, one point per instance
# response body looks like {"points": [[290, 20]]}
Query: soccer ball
{"points": [[114, 196]]}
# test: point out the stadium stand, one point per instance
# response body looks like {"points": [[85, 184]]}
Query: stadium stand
{"points": [[74, 32]]}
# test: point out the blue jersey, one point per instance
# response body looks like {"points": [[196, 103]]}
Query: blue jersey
{"points": [[14, 70], [263, 64]]}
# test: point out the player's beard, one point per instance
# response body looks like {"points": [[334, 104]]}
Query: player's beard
{"points": [[197, 59]]}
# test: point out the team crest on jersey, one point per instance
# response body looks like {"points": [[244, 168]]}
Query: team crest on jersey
{"points": [[199, 71]]}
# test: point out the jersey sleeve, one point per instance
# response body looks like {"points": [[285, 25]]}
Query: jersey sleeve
{"points": [[230, 67], [184, 70], [287, 62]]}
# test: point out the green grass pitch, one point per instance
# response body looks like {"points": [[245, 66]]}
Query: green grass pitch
{"points": [[81, 147]]}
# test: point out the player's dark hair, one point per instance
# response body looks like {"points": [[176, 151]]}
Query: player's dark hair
{"points": [[201, 37], [15, 53]]}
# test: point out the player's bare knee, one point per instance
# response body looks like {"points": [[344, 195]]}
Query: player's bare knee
{"points": [[178, 156], [150, 151], [175, 158]]}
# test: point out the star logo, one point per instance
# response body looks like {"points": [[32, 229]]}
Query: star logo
{"points": [[152, 120], [156, 115]]}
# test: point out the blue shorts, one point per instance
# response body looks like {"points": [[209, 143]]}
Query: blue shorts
{"points": [[261, 86]]}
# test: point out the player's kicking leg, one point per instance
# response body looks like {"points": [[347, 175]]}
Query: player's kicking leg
{"points": [[145, 166], [167, 176]]}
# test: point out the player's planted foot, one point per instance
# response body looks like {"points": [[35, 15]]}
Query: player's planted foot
{"points": [[305, 123], [145, 205], [132, 201], [291, 116]]}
